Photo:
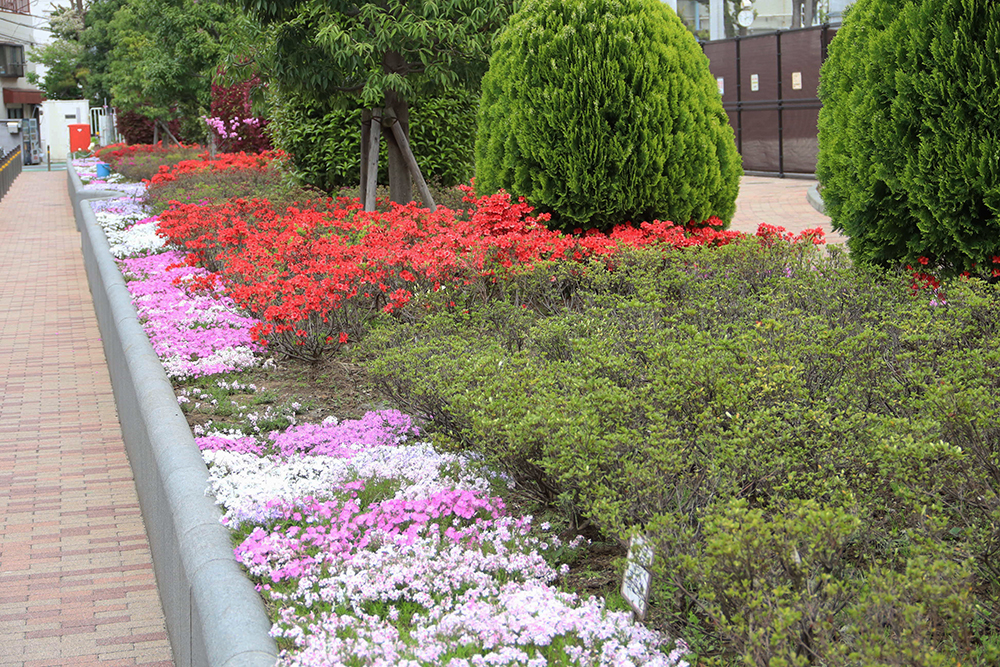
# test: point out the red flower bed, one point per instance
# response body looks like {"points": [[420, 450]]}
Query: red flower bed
{"points": [[317, 275], [221, 162], [121, 150]]}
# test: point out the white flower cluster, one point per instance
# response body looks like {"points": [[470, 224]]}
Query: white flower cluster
{"points": [[135, 241], [244, 484]]}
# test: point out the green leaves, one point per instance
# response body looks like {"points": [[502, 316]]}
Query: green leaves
{"points": [[909, 141], [323, 138], [812, 447], [164, 53], [603, 112], [438, 44]]}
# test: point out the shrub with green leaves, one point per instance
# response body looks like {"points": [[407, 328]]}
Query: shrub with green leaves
{"points": [[811, 445], [909, 133], [323, 139], [603, 112], [143, 165]]}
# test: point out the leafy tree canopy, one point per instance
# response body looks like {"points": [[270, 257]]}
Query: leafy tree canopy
{"points": [[163, 55], [375, 55], [67, 70], [361, 50]]}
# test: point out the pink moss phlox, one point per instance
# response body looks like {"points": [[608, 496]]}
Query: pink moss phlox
{"points": [[335, 529], [376, 428]]}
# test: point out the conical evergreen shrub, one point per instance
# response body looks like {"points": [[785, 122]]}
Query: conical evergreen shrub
{"points": [[603, 112], [910, 133]]}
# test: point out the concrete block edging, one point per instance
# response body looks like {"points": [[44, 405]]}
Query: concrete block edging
{"points": [[214, 616]]}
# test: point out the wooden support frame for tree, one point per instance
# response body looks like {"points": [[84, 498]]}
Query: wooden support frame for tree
{"points": [[371, 158], [411, 164], [372, 123]]}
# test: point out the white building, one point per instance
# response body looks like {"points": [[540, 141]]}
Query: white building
{"points": [[19, 31]]}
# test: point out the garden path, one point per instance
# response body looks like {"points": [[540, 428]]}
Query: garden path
{"points": [[76, 577], [781, 202]]}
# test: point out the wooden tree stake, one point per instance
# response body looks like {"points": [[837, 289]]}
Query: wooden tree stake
{"points": [[366, 118], [411, 164], [372, 182]]}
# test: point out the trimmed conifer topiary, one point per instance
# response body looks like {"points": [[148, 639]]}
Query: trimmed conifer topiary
{"points": [[910, 133], [603, 112]]}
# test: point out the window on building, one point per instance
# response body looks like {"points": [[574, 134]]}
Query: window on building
{"points": [[15, 6], [11, 59], [15, 112]]}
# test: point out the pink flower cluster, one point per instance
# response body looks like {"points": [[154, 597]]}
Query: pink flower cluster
{"points": [[194, 334], [373, 548], [232, 131]]}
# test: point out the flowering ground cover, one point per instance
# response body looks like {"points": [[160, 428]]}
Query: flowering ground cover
{"points": [[810, 445], [370, 545]]}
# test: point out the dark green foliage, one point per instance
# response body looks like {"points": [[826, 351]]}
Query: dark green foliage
{"points": [[361, 50], [812, 446], [910, 133], [163, 55], [323, 139], [603, 112], [374, 55]]}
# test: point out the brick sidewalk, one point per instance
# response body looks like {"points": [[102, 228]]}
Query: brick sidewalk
{"points": [[76, 579], [780, 202]]}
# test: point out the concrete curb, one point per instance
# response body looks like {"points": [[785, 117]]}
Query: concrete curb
{"points": [[815, 198], [214, 616]]}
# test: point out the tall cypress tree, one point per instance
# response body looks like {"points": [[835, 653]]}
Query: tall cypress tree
{"points": [[910, 133], [605, 111]]}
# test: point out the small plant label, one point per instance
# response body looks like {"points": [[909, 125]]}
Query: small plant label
{"points": [[638, 577]]}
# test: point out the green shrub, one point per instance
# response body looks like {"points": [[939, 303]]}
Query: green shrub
{"points": [[325, 141], [909, 133], [139, 166], [214, 186], [604, 112], [812, 447]]}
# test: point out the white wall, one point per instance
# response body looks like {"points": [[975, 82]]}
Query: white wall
{"points": [[54, 125]]}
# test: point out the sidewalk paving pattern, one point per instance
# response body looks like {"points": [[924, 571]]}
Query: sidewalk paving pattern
{"points": [[76, 579], [781, 202]]}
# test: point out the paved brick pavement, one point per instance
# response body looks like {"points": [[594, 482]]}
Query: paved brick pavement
{"points": [[780, 202], [76, 579]]}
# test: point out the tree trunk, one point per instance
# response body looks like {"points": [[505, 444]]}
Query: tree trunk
{"points": [[400, 184], [400, 187], [170, 134], [796, 13]]}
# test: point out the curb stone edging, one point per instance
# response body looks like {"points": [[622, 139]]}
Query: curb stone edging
{"points": [[214, 616], [815, 198]]}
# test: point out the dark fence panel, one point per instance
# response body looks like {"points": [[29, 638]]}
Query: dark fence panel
{"points": [[769, 88], [10, 168]]}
